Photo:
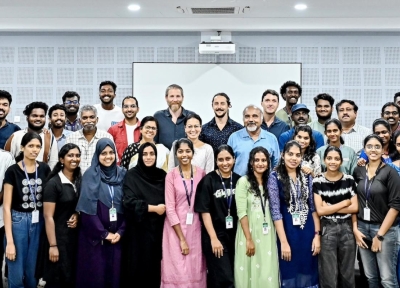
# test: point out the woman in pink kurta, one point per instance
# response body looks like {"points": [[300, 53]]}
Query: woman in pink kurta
{"points": [[183, 263]]}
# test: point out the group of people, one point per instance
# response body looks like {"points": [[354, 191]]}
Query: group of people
{"points": [[102, 199]]}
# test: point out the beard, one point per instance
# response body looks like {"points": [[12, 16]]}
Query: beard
{"points": [[35, 128], [174, 107], [324, 118], [221, 115], [72, 113], [251, 128]]}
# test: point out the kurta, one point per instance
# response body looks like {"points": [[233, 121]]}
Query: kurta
{"points": [[260, 270], [99, 261], [178, 270]]}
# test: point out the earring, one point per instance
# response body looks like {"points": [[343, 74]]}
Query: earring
{"points": [[62, 164]]}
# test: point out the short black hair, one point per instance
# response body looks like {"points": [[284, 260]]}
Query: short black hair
{"points": [[288, 84], [56, 107], [130, 97], [7, 95], [108, 83], [269, 91], [324, 96], [351, 102], [35, 105], [395, 96], [228, 100], [191, 116], [70, 94], [389, 104]]}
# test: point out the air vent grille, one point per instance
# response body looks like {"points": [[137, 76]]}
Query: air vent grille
{"points": [[213, 10]]}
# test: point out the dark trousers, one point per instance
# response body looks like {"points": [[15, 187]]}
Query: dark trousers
{"points": [[2, 232], [338, 252]]}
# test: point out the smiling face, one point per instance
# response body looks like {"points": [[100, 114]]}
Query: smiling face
{"points": [[193, 129], [149, 131], [57, 119], [31, 149], [225, 162], [383, 133], [292, 157], [303, 138], [260, 163], [323, 109], [184, 154], [89, 120], [333, 161], [252, 119], [149, 156], [333, 133], [107, 94], [130, 109], [71, 160], [72, 105], [220, 106], [270, 103], [174, 99], [397, 143], [374, 149], [300, 117], [346, 113], [107, 157], [391, 114], [37, 119], [4, 108], [292, 95]]}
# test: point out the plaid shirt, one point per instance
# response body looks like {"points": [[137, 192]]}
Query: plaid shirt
{"points": [[87, 148], [355, 137], [73, 126]]}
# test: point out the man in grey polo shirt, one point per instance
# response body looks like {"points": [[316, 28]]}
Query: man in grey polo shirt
{"points": [[170, 120]]}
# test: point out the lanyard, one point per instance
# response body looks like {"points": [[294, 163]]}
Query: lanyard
{"points": [[111, 190], [188, 196], [368, 190], [228, 198], [33, 192]]}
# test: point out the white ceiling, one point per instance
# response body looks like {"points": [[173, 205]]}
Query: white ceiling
{"points": [[162, 15]]}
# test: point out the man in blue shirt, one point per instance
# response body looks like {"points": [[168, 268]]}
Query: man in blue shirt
{"points": [[300, 117], [271, 123], [244, 140], [6, 128], [217, 131], [170, 120]]}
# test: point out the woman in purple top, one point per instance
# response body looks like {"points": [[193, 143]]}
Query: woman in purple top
{"points": [[102, 220]]}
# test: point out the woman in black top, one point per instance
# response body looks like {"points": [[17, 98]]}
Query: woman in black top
{"points": [[23, 217], [379, 204], [144, 208], [58, 249], [215, 200]]}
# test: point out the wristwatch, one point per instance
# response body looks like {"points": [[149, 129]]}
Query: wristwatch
{"points": [[380, 238]]}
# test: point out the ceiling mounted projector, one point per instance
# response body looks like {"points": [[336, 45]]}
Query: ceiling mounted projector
{"points": [[216, 48]]}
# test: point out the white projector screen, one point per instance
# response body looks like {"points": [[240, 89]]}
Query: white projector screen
{"points": [[243, 83]]}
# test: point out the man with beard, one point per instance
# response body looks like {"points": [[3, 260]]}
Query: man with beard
{"points": [[87, 137], [391, 113], [170, 120], [127, 131], [71, 101], [217, 131], [35, 113], [396, 98], [353, 134], [6, 128], [245, 139], [291, 92], [57, 123], [271, 123], [300, 117], [323, 108], [109, 114]]}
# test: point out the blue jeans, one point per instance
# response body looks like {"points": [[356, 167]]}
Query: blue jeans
{"points": [[21, 272], [380, 267]]}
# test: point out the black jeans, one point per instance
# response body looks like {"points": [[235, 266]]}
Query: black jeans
{"points": [[337, 256], [2, 232]]}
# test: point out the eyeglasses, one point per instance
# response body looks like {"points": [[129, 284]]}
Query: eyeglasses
{"points": [[69, 102], [150, 128], [388, 113], [373, 147], [129, 106], [190, 127]]}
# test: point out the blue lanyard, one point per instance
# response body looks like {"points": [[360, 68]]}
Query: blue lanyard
{"points": [[228, 197], [33, 192], [368, 191], [111, 190], [188, 196]]}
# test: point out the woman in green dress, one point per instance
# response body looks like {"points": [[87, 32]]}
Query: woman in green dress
{"points": [[256, 258]]}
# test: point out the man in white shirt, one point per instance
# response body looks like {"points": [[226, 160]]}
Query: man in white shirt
{"points": [[109, 114], [35, 113], [87, 137]]}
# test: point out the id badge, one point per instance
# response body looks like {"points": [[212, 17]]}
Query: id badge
{"points": [[35, 216], [265, 228], [113, 214], [189, 218], [296, 219], [229, 222], [367, 214]]}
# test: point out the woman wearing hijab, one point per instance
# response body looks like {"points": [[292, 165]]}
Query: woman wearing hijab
{"points": [[102, 220], [144, 208]]}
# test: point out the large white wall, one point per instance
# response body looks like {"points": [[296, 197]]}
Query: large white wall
{"points": [[364, 67]]}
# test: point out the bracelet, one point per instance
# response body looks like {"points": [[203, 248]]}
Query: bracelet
{"points": [[53, 245]]}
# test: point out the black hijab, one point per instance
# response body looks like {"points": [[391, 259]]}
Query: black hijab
{"points": [[96, 181], [144, 183]]}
